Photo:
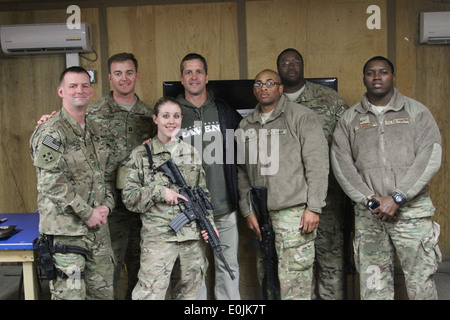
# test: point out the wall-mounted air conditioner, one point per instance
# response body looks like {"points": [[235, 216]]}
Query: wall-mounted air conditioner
{"points": [[45, 38], [435, 27]]}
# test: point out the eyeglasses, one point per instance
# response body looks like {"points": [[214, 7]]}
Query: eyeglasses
{"points": [[269, 84], [294, 63]]}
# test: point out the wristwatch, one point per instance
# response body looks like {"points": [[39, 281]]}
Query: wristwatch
{"points": [[398, 197]]}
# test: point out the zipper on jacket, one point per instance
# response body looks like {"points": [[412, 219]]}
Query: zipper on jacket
{"points": [[385, 179], [199, 112]]}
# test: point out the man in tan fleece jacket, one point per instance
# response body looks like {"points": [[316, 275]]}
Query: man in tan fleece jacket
{"points": [[388, 147], [295, 175]]}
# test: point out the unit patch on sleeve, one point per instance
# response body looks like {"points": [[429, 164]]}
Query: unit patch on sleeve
{"points": [[48, 157]]}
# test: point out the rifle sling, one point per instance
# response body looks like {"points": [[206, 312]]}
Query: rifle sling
{"points": [[150, 158]]}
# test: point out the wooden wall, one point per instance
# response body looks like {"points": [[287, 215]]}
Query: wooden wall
{"points": [[238, 38], [423, 74]]}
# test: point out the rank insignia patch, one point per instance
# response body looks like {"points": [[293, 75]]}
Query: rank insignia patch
{"points": [[364, 120], [51, 142]]}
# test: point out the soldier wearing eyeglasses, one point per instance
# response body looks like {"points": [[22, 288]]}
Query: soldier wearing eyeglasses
{"points": [[296, 191], [328, 283]]}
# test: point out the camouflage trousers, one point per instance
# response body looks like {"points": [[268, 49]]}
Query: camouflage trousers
{"points": [[179, 264], [125, 228], [89, 278], [295, 252], [328, 280], [415, 241]]}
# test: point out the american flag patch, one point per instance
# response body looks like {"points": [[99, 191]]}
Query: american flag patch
{"points": [[51, 142]]}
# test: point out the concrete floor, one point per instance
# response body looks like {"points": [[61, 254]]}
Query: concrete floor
{"points": [[10, 280], [442, 279]]}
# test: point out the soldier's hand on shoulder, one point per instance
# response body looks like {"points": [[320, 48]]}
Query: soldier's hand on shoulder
{"points": [[44, 118]]}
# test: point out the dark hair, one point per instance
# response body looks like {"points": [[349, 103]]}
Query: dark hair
{"points": [[124, 56], [74, 69], [381, 59], [162, 101], [193, 56], [287, 50]]}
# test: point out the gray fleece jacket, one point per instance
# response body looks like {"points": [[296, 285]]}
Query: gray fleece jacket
{"points": [[397, 150], [288, 155]]}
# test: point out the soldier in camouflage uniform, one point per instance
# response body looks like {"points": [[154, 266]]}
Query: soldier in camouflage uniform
{"points": [[296, 190], [122, 116], [128, 120], [154, 196], [329, 244], [75, 176], [388, 147]]}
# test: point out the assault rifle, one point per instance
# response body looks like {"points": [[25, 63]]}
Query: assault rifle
{"points": [[271, 283], [194, 209]]}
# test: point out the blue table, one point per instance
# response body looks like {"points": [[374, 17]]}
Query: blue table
{"points": [[19, 248]]}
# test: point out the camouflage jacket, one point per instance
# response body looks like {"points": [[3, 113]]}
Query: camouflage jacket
{"points": [[145, 188], [329, 107], [326, 103], [128, 128], [75, 173]]}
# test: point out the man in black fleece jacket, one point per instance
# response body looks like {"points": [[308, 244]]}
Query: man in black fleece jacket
{"points": [[206, 121]]}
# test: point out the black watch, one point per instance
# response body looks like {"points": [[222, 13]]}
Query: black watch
{"points": [[398, 198]]}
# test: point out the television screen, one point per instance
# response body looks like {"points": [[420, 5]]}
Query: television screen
{"points": [[237, 93]]}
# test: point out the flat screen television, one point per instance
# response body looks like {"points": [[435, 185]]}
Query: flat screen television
{"points": [[237, 93]]}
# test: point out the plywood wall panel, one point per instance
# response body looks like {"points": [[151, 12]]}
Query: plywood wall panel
{"points": [[132, 29], [91, 60], [23, 100], [25, 92], [160, 36], [331, 35], [207, 29], [422, 73], [28, 90], [271, 27]]}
